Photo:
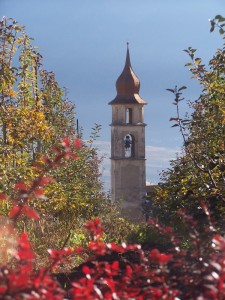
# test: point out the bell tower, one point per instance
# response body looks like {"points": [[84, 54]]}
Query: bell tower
{"points": [[128, 176]]}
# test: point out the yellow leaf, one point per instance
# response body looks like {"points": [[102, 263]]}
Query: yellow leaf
{"points": [[197, 61]]}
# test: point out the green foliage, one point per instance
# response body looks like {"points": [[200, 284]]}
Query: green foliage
{"points": [[34, 113], [219, 22], [199, 173], [149, 237], [35, 116]]}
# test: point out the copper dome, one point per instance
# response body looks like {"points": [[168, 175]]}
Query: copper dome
{"points": [[128, 86]]}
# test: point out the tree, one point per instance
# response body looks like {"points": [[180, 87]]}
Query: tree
{"points": [[33, 113], [35, 117], [199, 173]]}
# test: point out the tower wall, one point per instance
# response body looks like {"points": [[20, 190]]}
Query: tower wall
{"points": [[128, 176], [129, 186]]}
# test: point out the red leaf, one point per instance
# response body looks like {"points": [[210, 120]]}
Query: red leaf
{"points": [[74, 156], [2, 196], [21, 281], [111, 284], [39, 192], [3, 289], [46, 160], [45, 180], [168, 229], [21, 186], [165, 258], [86, 270], [56, 150], [97, 221], [77, 143], [156, 292], [129, 270], [30, 212], [158, 257], [25, 251], [15, 210], [65, 142], [115, 265]]}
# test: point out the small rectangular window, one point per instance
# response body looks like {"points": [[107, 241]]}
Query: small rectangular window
{"points": [[128, 115]]}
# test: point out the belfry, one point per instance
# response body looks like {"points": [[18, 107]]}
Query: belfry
{"points": [[128, 175]]}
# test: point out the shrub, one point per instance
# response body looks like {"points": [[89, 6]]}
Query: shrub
{"points": [[112, 271]]}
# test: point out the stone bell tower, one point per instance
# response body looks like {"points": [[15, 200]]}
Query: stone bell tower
{"points": [[128, 176]]}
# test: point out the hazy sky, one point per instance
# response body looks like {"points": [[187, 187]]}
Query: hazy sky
{"points": [[84, 43]]}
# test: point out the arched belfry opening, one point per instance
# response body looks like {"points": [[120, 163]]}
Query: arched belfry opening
{"points": [[129, 145], [128, 175]]}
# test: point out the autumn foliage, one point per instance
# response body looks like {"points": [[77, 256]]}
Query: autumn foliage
{"points": [[199, 171], [113, 271], [193, 264], [35, 113]]}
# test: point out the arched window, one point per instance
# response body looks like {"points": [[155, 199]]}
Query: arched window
{"points": [[128, 146]]}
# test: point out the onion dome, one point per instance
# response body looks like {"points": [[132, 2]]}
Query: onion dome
{"points": [[128, 85]]}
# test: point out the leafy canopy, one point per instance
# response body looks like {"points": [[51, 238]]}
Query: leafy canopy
{"points": [[199, 173]]}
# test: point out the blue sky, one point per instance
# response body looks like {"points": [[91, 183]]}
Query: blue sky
{"points": [[84, 43]]}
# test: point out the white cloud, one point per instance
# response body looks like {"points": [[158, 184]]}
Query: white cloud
{"points": [[157, 160]]}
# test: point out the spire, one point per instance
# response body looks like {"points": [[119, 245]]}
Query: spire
{"points": [[128, 64], [128, 85]]}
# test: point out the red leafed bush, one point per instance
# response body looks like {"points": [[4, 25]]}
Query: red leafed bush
{"points": [[23, 282], [196, 271], [120, 272]]}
